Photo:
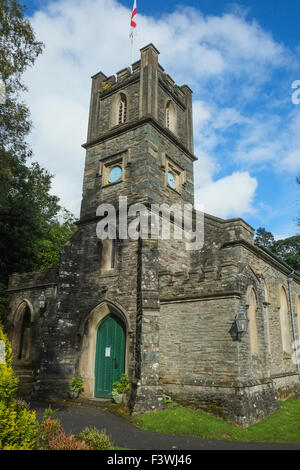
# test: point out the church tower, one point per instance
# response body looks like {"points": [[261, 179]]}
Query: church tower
{"points": [[140, 137], [139, 146]]}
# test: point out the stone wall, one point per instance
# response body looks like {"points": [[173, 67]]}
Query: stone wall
{"points": [[272, 277], [201, 362]]}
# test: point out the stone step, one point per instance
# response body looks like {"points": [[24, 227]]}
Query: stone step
{"points": [[26, 374], [26, 378], [23, 365]]}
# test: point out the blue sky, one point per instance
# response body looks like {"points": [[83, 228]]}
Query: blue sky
{"points": [[240, 59]]}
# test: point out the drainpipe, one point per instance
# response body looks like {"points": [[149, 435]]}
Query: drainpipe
{"points": [[289, 281]]}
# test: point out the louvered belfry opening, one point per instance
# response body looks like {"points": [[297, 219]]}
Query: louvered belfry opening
{"points": [[122, 109]]}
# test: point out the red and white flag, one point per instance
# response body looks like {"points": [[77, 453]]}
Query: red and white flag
{"points": [[133, 20]]}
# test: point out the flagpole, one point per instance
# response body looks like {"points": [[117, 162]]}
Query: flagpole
{"points": [[132, 49], [132, 31]]}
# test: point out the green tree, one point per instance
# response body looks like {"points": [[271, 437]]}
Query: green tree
{"points": [[18, 50], [264, 238], [55, 235], [289, 251], [18, 226], [28, 212]]}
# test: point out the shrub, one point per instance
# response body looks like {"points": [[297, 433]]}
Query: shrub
{"points": [[119, 388], [52, 437], [63, 442], [49, 412], [76, 385], [18, 427], [49, 429], [8, 384], [123, 385], [97, 440], [8, 380]]}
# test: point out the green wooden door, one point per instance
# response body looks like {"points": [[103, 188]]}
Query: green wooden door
{"points": [[110, 355]]}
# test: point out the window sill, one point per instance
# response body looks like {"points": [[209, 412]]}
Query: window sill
{"points": [[106, 185], [174, 190]]}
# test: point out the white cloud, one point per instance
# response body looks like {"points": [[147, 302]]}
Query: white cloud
{"points": [[205, 168], [230, 196], [273, 139], [201, 114], [291, 161], [283, 237]]}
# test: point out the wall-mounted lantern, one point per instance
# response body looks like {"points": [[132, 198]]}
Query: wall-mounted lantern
{"points": [[42, 301], [240, 323]]}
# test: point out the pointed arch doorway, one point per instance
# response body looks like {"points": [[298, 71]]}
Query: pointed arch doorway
{"points": [[110, 355], [21, 333]]}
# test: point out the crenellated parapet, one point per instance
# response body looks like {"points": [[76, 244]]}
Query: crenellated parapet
{"points": [[208, 281]]}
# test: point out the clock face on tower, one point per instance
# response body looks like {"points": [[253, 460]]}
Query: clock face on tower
{"points": [[171, 180], [115, 174]]}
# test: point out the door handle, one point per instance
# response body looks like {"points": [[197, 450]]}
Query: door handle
{"points": [[116, 364]]}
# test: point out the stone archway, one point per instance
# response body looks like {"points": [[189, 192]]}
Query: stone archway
{"points": [[21, 336], [92, 323]]}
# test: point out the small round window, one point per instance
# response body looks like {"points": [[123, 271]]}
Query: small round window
{"points": [[171, 180], [115, 174]]}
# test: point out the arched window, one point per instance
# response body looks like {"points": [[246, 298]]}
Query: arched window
{"points": [[266, 312], [171, 116], [252, 322], [284, 321], [118, 110], [107, 255], [298, 314], [24, 348], [122, 110]]}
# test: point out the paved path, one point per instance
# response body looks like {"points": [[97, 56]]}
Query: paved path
{"points": [[74, 418]]}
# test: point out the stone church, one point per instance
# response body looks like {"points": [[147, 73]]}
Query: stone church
{"points": [[214, 328]]}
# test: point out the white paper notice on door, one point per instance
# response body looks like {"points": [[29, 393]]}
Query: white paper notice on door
{"points": [[107, 352]]}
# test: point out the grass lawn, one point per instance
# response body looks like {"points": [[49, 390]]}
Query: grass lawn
{"points": [[282, 426]]}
